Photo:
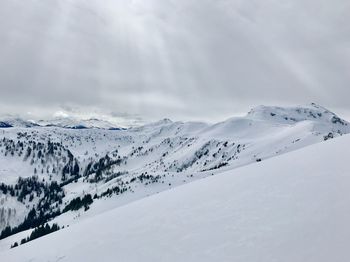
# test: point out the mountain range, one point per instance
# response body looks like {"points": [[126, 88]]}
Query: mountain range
{"points": [[73, 176]]}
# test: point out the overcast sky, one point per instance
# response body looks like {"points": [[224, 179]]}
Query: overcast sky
{"points": [[182, 59]]}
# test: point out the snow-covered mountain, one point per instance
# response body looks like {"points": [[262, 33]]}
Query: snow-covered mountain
{"points": [[69, 175], [294, 207], [7, 122], [74, 123], [63, 122]]}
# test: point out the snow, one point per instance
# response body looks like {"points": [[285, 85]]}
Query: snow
{"points": [[178, 152], [63, 121], [293, 207], [75, 123]]}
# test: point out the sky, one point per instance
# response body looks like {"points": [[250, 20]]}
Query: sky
{"points": [[143, 60]]}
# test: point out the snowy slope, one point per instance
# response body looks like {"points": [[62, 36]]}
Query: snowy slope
{"points": [[121, 166], [294, 207]]}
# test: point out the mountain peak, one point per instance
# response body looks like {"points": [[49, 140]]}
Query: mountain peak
{"points": [[295, 114]]}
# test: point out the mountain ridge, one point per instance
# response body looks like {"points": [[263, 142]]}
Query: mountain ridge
{"points": [[123, 166], [261, 112], [253, 213]]}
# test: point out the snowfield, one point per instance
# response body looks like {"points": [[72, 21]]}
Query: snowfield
{"points": [[293, 207]]}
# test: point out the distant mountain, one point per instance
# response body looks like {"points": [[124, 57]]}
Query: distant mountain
{"points": [[59, 169], [16, 122], [4, 124], [296, 114], [74, 123], [64, 122]]}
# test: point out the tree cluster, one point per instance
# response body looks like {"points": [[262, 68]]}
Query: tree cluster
{"points": [[78, 203], [39, 232]]}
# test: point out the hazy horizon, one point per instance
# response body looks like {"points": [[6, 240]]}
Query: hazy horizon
{"points": [[125, 120]]}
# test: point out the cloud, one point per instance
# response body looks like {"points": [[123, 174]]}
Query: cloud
{"points": [[166, 58]]}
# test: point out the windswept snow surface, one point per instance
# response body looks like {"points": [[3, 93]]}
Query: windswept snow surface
{"points": [[294, 207]]}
